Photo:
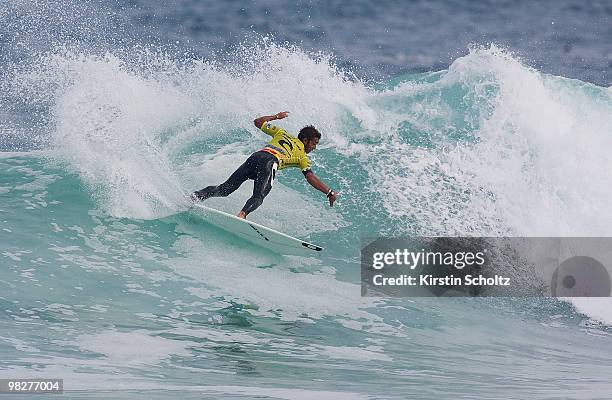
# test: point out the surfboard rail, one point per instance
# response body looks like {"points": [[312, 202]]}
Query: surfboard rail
{"points": [[255, 233]]}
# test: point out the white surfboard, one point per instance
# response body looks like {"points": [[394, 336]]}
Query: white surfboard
{"points": [[256, 233]]}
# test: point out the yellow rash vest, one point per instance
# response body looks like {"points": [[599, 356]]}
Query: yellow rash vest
{"points": [[288, 149]]}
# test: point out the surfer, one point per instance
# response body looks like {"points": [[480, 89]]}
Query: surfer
{"points": [[284, 150]]}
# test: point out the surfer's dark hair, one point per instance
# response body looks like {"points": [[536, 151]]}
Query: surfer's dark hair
{"points": [[309, 132]]}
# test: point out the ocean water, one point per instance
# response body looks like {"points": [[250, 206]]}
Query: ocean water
{"points": [[438, 118]]}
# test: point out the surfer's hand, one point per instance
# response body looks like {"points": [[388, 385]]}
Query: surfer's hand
{"points": [[282, 114], [332, 199]]}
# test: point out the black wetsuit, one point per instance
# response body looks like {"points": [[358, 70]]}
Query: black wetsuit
{"points": [[261, 167]]}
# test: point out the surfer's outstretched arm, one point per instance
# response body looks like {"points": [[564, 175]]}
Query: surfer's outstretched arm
{"points": [[320, 186], [262, 120]]}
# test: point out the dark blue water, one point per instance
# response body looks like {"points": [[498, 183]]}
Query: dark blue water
{"points": [[387, 38], [380, 39]]}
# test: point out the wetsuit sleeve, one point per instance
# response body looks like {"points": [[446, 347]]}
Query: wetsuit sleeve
{"points": [[270, 129], [305, 164]]}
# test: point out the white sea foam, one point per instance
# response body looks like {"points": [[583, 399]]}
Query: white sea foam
{"points": [[537, 163], [120, 128], [598, 308], [131, 348]]}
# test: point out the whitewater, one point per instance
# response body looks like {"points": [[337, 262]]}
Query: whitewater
{"points": [[111, 284]]}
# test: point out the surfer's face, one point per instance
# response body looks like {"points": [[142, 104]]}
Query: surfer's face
{"points": [[310, 144]]}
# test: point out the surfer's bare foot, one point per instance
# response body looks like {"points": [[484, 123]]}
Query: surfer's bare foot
{"points": [[242, 215]]}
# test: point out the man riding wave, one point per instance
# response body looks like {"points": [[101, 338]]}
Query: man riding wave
{"points": [[284, 150]]}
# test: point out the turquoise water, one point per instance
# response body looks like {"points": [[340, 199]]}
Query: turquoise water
{"points": [[108, 283]]}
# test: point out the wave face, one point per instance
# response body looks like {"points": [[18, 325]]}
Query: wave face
{"points": [[108, 282]]}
